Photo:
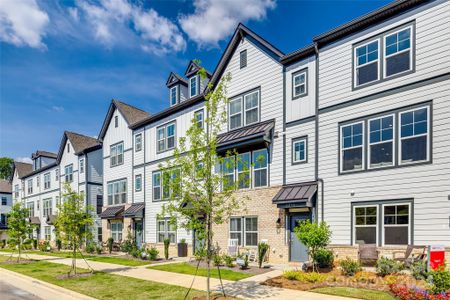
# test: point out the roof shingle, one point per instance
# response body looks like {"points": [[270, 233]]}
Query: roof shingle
{"points": [[81, 142], [23, 168], [5, 186]]}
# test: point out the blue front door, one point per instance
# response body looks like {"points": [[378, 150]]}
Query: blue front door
{"points": [[298, 250]]}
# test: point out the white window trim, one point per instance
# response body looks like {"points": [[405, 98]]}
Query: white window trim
{"points": [[249, 171], [117, 154], [153, 186], [195, 78], [166, 230], [199, 112], [241, 113], [245, 109], [385, 56], [356, 67], [165, 138], [48, 175], [396, 225], [394, 148], [254, 169], [116, 232], [176, 95], [119, 182], [300, 140], [354, 222], [47, 211], [68, 177], [243, 230], [304, 72], [341, 148], [414, 136], [233, 172]]}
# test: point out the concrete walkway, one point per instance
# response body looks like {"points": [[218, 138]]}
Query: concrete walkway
{"points": [[249, 288]]}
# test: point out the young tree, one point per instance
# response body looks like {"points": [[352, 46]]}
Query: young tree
{"points": [[73, 222], [6, 167], [19, 228], [198, 195], [314, 236]]}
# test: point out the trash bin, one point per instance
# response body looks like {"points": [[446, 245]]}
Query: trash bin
{"points": [[436, 257]]}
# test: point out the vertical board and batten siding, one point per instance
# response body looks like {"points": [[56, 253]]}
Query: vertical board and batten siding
{"points": [[115, 135], [432, 45], [427, 184], [301, 172], [304, 106], [263, 72]]}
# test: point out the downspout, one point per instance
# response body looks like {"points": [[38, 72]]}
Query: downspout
{"points": [[316, 161]]}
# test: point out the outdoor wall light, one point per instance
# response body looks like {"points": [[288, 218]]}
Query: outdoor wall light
{"points": [[278, 222], [352, 193]]}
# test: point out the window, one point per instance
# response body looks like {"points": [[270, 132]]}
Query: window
{"points": [[198, 118], [30, 207], [16, 191], [57, 174], [30, 186], [99, 234], [381, 142], [117, 192], [299, 84], [138, 183], [367, 63], [57, 200], [352, 147], [47, 209], [165, 137], [243, 59], [365, 220], [99, 204], [228, 171], [245, 230], [82, 165], [165, 229], [138, 142], [68, 173], [116, 154], [47, 233], [3, 219], [396, 224], [46, 181], [157, 186], [243, 170], [299, 150], [116, 121], [244, 110], [193, 86], [4, 201], [116, 231], [397, 52], [414, 135], [68, 148], [37, 180], [260, 168], [173, 95]]}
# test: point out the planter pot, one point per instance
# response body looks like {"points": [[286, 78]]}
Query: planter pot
{"points": [[182, 249]]}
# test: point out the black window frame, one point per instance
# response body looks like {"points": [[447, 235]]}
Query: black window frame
{"points": [[294, 75], [243, 59]]}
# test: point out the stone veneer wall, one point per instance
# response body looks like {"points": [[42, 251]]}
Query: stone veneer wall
{"points": [[259, 203]]}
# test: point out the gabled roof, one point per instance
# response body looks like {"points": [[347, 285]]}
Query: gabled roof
{"points": [[80, 143], [131, 114], [43, 153], [174, 79], [5, 186], [193, 68], [47, 167], [241, 32], [299, 54], [22, 168]]}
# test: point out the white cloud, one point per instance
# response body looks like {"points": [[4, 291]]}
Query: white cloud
{"points": [[24, 160], [118, 21], [22, 23], [56, 108], [214, 20]]}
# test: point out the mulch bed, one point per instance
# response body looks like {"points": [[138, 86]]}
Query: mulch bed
{"points": [[336, 279], [78, 275], [250, 270]]}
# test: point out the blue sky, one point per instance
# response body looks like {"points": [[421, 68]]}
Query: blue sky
{"points": [[61, 62]]}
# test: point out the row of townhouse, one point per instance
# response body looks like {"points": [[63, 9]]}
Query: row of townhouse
{"points": [[352, 129], [40, 186], [5, 207]]}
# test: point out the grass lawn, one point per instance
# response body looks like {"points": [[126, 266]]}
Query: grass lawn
{"points": [[120, 261], [100, 285], [186, 268], [62, 254], [354, 293]]}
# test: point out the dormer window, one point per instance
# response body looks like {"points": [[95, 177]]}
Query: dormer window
{"points": [[173, 95], [193, 86]]}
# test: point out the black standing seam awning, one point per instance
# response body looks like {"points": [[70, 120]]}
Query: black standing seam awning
{"points": [[258, 133], [112, 212], [136, 210], [50, 220], [296, 195], [34, 220]]}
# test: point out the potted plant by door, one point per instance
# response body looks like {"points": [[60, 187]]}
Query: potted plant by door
{"points": [[182, 248]]}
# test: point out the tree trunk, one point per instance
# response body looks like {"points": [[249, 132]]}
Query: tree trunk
{"points": [[20, 247], [74, 257], [208, 256]]}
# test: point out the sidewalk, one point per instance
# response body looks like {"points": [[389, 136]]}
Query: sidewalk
{"points": [[248, 288]]}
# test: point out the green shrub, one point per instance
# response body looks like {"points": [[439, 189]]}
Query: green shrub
{"points": [[324, 258], [200, 254], [312, 277], [244, 257], [217, 260], [110, 244], [419, 270], [3, 245], [152, 253], [350, 267], [439, 280], [44, 246], [290, 275], [135, 252], [35, 244], [166, 248], [228, 261], [98, 249], [387, 266], [58, 244], [129, 245], [90, 248], [262, 250]]}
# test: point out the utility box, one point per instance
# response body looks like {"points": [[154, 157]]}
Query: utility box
{"points": [[436, 257]]}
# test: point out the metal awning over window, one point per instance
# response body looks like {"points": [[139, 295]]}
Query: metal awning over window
{"points": [[136, 210], [50, 219], [296, 195], [112, 212], [252, 135], [34, 220]]}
